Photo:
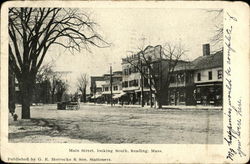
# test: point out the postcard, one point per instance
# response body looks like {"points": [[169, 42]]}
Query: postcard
{"points": [[124, 82]]}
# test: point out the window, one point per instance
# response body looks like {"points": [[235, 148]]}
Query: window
{"points": [[115, 88], [129, 71], [172, 79], [131, 83], [135, 83], [125, 84], [219, 74], [210, 76], [199, 76], [125, 71], [180, 78], [106, 88]]}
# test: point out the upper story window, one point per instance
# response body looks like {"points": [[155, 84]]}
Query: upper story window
{"points": [[199, 76], [180, 77], [106, 88], [131, 83], [172, 79], [125, 71], [219, 72], [125, 84], [210, 75], [115, 88]]}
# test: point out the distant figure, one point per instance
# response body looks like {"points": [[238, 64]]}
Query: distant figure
{"points": [[15, 116], [12, 105]]}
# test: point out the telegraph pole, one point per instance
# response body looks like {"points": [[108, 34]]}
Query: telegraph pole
{"points": [[142, 83], [111, 90], [160, 76]]}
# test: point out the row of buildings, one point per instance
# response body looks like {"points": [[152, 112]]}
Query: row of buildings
{"points": [[197, 82]]}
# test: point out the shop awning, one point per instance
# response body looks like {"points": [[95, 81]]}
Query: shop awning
{"points": [[119, 95], [96, 96]]}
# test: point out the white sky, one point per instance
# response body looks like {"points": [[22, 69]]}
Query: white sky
{"points": [[124, 28]]}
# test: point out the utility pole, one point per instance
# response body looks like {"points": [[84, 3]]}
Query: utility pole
{"points": [[151, 98], [142, 83], [160, 76], [111, 90]]}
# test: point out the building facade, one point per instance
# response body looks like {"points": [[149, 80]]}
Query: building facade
{"points": [[182, 85], [199, 82], [116, 84], [208, 79], [137, 76], [96, 83]]}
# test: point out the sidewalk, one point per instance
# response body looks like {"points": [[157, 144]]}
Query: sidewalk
{"points": [[179, 107]]}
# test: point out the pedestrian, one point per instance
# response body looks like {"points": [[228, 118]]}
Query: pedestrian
{"points": [[15, 116]]}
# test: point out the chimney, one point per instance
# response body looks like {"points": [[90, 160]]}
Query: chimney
{"points": [[206, 49]]}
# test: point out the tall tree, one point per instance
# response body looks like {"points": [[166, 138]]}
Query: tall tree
{"points": [[150, 61], [32, 31], [82, 83]]}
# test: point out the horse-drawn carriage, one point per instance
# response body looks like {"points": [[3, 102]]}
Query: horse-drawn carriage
{"points": [[68, 105]]}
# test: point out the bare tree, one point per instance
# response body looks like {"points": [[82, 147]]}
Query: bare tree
{"points": [[32, 31], [151, 66], [174, 53], [45, 72], [82, 83], [217, 38]]}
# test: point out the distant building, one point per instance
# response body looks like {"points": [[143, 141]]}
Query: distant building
{"points": [[93, 84], [208, 78], [198, 82], [136, 83], [96, 83], [116, 87], [182, 85]]}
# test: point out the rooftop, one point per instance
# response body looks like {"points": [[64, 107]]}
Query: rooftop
{"points": [[209, 61], [202, 62]]}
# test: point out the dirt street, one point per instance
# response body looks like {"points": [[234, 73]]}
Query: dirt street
{"points": [[103, 124]]}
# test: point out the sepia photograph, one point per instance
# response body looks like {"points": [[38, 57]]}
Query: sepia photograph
{"points": [[115, 75], [124, 82]]}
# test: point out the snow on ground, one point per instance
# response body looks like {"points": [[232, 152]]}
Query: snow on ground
{"points": [[105, 124]]}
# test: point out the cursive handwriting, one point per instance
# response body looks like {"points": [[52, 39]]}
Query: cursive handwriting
{"points": [[230, 154], [230, 130], [233, 112]]}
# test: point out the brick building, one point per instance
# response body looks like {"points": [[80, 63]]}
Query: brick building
{"points": [[136, 75]]}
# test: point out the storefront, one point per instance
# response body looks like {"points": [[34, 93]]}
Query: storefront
{"points": [[181, 95], [209, 94]]}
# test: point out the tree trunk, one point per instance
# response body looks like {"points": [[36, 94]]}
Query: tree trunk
{"points": [[59, 96], [84, 95], [159, 99], [26, 88], [53, 97]]}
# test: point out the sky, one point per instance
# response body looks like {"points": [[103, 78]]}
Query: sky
{"points": [[124, 28]]}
